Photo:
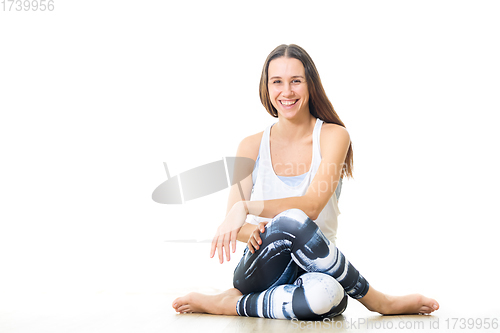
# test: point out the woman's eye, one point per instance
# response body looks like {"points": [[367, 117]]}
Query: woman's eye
{"points": [[296, 81], [277, 81]]}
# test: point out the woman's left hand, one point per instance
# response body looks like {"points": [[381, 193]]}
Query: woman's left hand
{"points": [[228, 231]]}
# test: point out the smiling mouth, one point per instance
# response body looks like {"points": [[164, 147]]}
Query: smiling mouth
{"points": [[288, 103]]}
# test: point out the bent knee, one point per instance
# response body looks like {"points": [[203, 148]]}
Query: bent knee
{"points": [[319, 295], [291, 220], [294, 213], [322, 291]]}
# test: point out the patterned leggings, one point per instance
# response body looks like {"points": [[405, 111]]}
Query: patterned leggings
{"points": [[296, 273]]}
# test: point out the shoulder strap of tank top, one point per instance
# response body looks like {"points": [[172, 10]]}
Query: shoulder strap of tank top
{"points": [[264, 144], [316, 136]]}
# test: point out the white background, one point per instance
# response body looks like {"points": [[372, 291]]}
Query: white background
{"points": [[96, 95]]}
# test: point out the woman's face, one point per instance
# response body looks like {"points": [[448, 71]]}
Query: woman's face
{"points": [[288, 87]]}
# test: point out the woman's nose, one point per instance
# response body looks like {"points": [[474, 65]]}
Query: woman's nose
{"points": [[287, 90]]}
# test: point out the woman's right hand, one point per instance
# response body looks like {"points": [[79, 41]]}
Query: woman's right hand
{"points": [[254, 241]]}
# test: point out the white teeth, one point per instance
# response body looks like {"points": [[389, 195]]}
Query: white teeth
{"points": [[288, 102]]}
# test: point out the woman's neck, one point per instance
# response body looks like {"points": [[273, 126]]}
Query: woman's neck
{"points": [[293, 130]]}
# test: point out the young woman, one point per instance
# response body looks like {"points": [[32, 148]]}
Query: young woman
{"points": [[286, 211]]}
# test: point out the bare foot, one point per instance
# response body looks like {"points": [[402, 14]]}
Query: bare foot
{"points": [[409, 304], [220, 304]]}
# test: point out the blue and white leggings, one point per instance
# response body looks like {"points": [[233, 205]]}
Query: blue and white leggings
{"points": [[296, 273]]}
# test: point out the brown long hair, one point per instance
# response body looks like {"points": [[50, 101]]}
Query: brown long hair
{"points": [[319, 104]]}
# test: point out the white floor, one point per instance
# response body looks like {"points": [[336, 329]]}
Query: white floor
{"points": [[142, 302], [141, 312]]}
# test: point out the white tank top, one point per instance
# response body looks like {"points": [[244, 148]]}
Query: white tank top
{"points": [[268, 186]]}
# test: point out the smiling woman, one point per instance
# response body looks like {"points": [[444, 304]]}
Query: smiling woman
{"points": [[291, 267], [287, 86]]}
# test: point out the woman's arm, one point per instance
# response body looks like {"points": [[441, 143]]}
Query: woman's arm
{"points": [[248, 147], [245, 232], [335, 142]]}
